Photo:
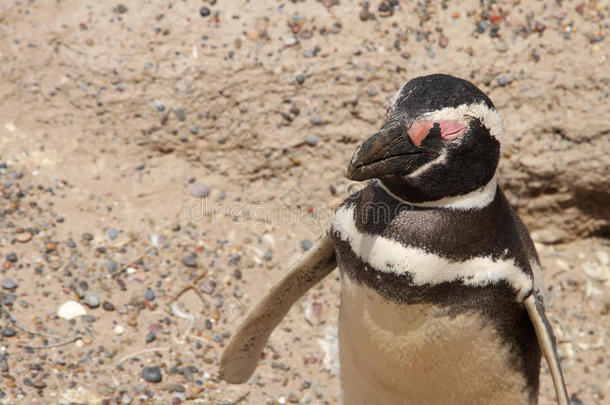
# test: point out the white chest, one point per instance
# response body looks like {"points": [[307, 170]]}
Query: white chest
{"points": [[412, 354]]}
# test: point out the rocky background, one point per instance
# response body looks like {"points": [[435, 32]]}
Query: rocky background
{"points": [[162, 162]]}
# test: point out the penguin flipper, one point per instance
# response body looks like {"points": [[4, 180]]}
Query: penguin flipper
{"points": [[243, 351], [546, 340]]}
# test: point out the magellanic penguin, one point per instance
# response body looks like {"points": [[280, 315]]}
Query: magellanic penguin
{"points": [[441, 296]]}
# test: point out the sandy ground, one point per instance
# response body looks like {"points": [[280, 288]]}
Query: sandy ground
{"points": [[161, 167]]}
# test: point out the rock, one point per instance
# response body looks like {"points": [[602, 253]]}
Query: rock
{"points": [[149, 294], [180, 113], [11, 257], [503, 80], [152, 374], [204, 11], [140, 166], [92, 299], [312, 140], [306, 244], [189, 260], [108, 306], [501, 46], [23, 237], [9, 332], [300, 79], [9, 284], [199, 190], [112, 233], [119, 330], [70, 310]]}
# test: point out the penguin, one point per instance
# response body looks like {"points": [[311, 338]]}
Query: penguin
{"points": [[441, 285]]}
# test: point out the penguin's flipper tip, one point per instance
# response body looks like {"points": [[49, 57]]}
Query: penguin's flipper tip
{"points": [[241, 355]]}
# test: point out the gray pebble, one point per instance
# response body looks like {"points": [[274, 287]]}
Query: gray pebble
{"points": [[149, 294], [150, 337], [112, 233], [189, 260], [92, 299], [317, 120], [503, 80], [300, 79], [126, 399], [501, 46], [312, 140], [306, 244], [9, 284], [372, 92], [108, 306], [152, 374], [159, 105], [140, 166], [180, 113], [199, 190], [112, 266], [194, 129], [11, 257], [9, 332]]}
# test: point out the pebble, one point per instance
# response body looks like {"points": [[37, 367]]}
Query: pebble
{"points": [[159, 106], [23, 237], [112, 266], [108, 306], [180, 113], [71, 309], [189, 260], [312, 140], [9, 332], [11, 257], [119, 329], [443, 41], [290, 41], [199, 190], [9, 284], [317, 120], [194, 129], [501, 46], [152, 374], [364, 14], [140, 166], [92, 299], [204, 11], [150, 337], [306, 244], [503, 80], [112, 233], [372, 92], [300, 79], [149, 294]]}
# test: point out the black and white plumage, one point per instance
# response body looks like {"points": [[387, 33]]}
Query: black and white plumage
{"points": [[441, 296]]}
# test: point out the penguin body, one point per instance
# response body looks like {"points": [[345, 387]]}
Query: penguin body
{"points": [[429, 300], [441, 299]]}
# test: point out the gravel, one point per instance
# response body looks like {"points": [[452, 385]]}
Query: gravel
{"points": [[152, 374]]}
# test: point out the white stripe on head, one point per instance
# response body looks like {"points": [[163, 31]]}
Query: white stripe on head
{"points": [[478, 198], [465, 112], [390, 256]]}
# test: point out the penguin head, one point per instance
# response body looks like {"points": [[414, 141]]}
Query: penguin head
{"points": [[441, 138]]}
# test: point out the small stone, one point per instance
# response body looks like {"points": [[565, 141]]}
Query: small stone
{"points": [[150, 337], [159, 106], [120, 9], [23, 237], [189, 260], [204, 11], [306, 244], [108, 306], [140, 166], [180, 113], [364, 14], [149, 294], [503, 80], [290, 41], [443, 41], [194, 129], [12, 257], [71, 309], [199, 190], [317, 120], [312, 140], [112, 266], [300, 79], [92, 299], [372, 92], [152, 374], [501, 46], [88, 237], [112, 233], [119, 329], [9, 284], [9, 332]]}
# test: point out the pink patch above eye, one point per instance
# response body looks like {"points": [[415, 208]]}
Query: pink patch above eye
{"points": [[449, 130]]}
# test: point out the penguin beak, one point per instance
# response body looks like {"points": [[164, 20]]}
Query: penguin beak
{"points": [[389, 151]]}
